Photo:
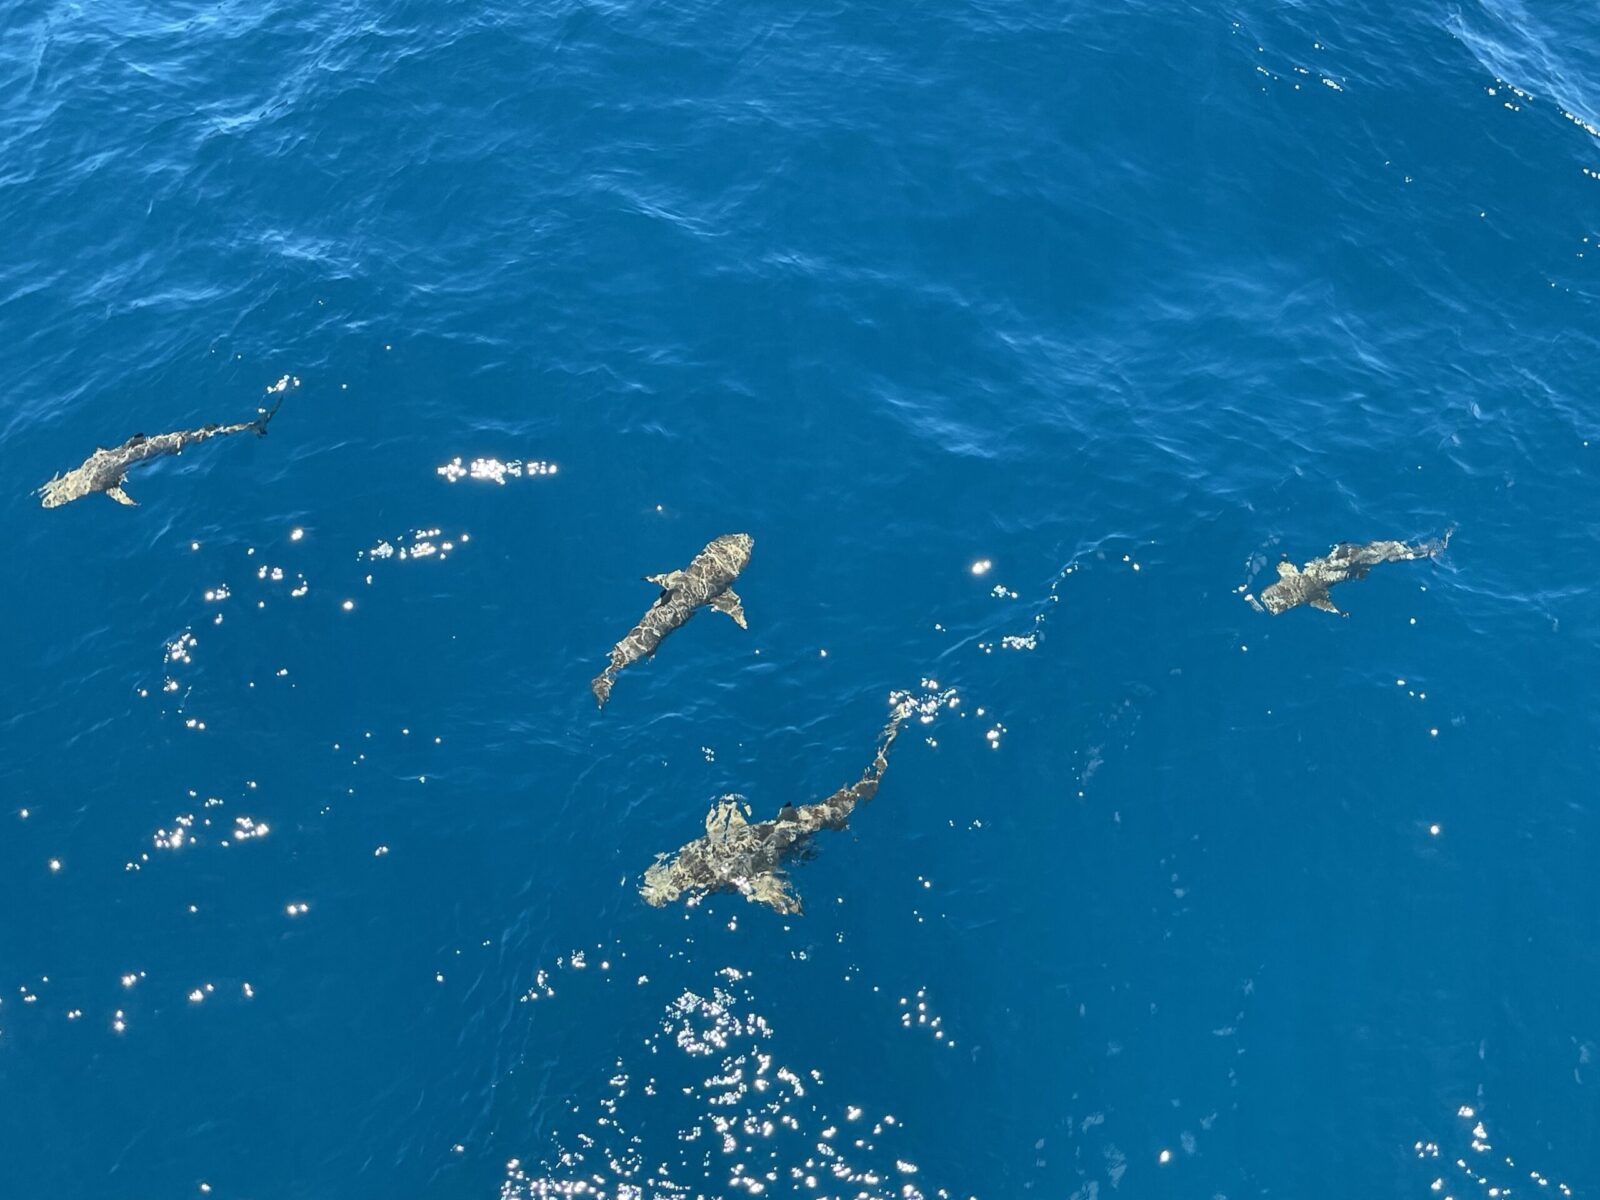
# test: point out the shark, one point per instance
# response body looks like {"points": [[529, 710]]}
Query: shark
{"points": [[106, 470], [705, 582], [735, 855], [1308, 585]]}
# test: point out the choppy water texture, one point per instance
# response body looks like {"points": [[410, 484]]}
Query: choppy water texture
{"points": [[1023, 339]]}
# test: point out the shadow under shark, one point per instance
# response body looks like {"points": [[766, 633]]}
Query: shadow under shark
{"points": [[106, 470]]}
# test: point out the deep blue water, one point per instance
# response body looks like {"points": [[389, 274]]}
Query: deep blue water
{"points": [[1127, 301]]}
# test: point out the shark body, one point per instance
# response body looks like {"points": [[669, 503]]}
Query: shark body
{"points": [[106, 470], [705, 581], [1309, 585], [735, 855]]}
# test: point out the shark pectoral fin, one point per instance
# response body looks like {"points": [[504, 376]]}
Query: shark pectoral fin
{"points": [[1325, 603], [775, 889], [122, 497], [727, 601], [667, 579]]}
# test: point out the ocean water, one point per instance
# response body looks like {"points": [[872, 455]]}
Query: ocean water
{"points": [[1023, 339]]}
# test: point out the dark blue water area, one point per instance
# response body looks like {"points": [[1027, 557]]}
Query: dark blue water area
{"points": [[1024, 340]]}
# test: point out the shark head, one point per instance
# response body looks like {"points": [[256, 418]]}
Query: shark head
{"points": [[1284, 594], [735, 548], [662, 885]]}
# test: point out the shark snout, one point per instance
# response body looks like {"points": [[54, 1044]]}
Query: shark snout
{"points": [[739, 545], [1274, 601]]}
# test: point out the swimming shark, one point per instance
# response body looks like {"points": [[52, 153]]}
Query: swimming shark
{"points": [[735, 855], [106, 470], [705, 581], [1309, 584]]}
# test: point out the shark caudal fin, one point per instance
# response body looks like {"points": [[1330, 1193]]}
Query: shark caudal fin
{"points": [[902, 707], [601, 687], [281, 388]]}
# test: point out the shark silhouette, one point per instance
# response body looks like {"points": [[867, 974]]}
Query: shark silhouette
{"points": [[735, 855], [106, 470], [1308, 585], [705, 581]]}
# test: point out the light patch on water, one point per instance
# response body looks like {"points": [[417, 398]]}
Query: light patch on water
{"points": [[417, 544], [178, 654], [576, 960], [743, 1122], [176, 837], [1030, 639], [193, 829], [180, 649], [267, 573], [1481, 1169], [1282, 69], [492, 470], [916, 1014]]}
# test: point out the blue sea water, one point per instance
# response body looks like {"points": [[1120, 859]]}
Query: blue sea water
{"points": [[1023, 339]]}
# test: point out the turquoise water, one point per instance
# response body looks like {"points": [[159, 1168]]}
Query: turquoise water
{"points": [[1023, 339]]}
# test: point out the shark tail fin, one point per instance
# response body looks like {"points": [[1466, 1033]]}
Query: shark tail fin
{"points": [[902, 706], [266, 414], [601, 687]]}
